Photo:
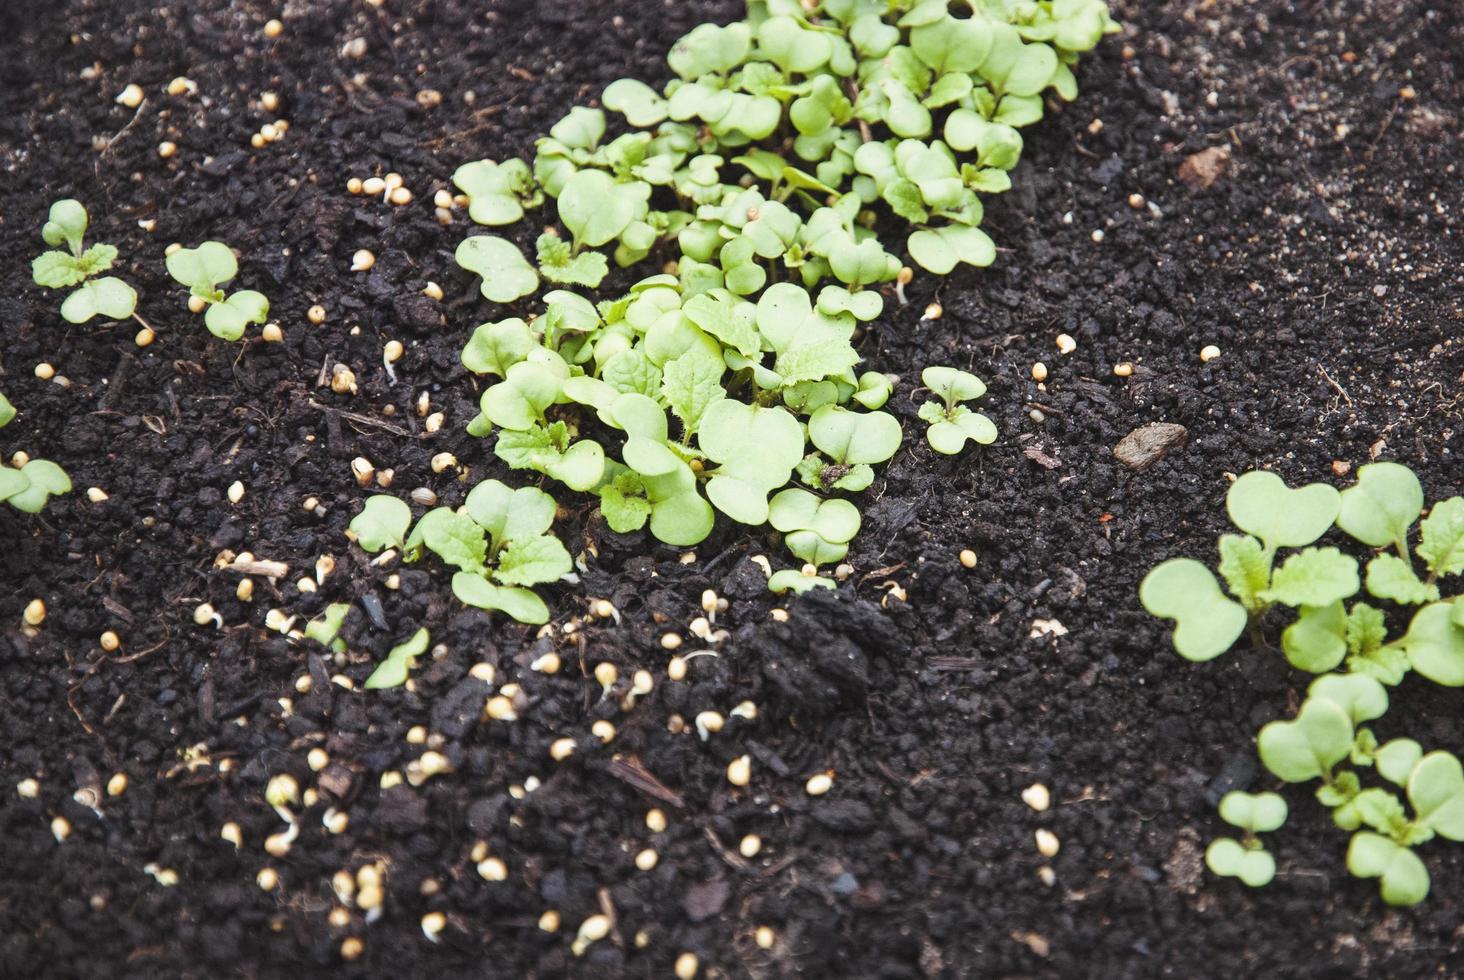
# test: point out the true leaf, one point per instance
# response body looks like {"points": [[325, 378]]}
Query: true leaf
{"points": [[458, 540], [508, 514], [692, 384], [1390, 577], [1246, 568], [1442, 541], [533, 561], [1314, 577]]}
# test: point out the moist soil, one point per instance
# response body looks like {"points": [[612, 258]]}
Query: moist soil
{"points": [[1324, 263]]}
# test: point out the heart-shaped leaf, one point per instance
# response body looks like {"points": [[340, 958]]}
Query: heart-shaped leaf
{"points": [[1380, 508], [1308, 746], [393, 671], [792, 580], [496, 347], [641, 105], [1362, 698], [1206, 622], [205, 268], [506, 274], [1395, 759], [43, 479], [508, 514], [1259, 813], [1261, 504], [1436, 790], [519, 603], [1229, 858], [229, 319], [1317, 641], [1435, 643], [1404, 878], [109, 296], [939, 250], [382, 523], [851, 438]]}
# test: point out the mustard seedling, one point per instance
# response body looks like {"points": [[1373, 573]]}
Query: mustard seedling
{"points": [[1342, 640], [79, 265], [204, 270], [951, 423], [1247, 858]]}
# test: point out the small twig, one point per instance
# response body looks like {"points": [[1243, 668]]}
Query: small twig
{"points": [[362, 419], [1335, 386], [628, 769]]}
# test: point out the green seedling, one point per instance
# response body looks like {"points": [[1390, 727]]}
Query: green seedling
{"points": [[382, 523], [79, 266], [498, 193], [325, 629], [1247, 858], [203, 270], [28, 488], [849, 443], [818, 531], [951, 423], [393, 671], [1379, 511], [7, 411], [797, 582]]}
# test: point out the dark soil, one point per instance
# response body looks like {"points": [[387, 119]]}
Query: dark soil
{"points": [[1325, 264]]}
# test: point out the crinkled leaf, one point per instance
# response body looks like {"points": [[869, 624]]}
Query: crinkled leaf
{"points": [[1314, 577], [1246, 568], [1442, 542], [624, 505], [1390, 577], [557, 263], [632, 371], [458, 540], [533, 561], [55, 270], [692, 383], [1206, 622]]}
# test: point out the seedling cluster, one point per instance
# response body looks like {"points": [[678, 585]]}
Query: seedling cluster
{"points": [[764, 166], [1343, 640]]}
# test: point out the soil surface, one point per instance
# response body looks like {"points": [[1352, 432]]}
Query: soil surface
{"points": [[1325, 263]]}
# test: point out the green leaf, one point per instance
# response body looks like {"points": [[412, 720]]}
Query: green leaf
{"points": [[205, 268], [1229, 858], [1436, 791], [1206, 622], [949, 434], [55, 270], [784, 42], [1390, 577], [874, 389], [1246, 568], [1258, 813], [630, 371], [581, 128], [792, 580], [506, 274], [521, 604], [67, 223], [1435, 644], [392, 672], [12, 482], [533, 561], [1383, 504], [382, 523], [596, 209], [325, 628], [108, 296], [7, 411], [624, 505], [1310, 745], [953, 385], [496, 347], [229, 319], [641, 105], [1314, 577], [557, 263], [510, 514], [1442, 543], [710, 49], [851, 438], [1316, 642], [951, 44], [816, 360], [458, 540], [1366, 632], [520, 400], [44, 479], [1395, 759], [692, 384], [1261, 504], [1360, 696], [727, 318], [757, 449], [497, 192], [1404, 878]]}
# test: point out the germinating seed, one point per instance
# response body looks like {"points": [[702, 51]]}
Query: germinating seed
{"points": [[1037, 797], [739, 770], [131, 96], [28, 789], [363, 260], [561, 749], [1209, 353], [592, 930], [1047, 842], [1066, 344], [35, 612]]}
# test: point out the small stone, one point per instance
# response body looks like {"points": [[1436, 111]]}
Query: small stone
{"points": [[1203, 169], [1148, 444]]}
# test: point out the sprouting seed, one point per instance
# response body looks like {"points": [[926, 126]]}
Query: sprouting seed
{"points": [[204, 613], [606, 674], [561, 749], [603, 730], [232, 833], [35, 612], [933, 312], [144, 337], [363, 260], [1066, 344], [432, 925], [709, 723], [739, 770], [1047, 842], [905, 276], [363, 470], [592, 930], [131, 96], [1209, 352]]}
